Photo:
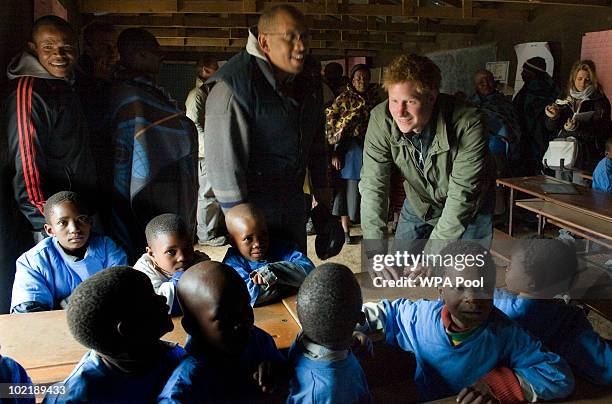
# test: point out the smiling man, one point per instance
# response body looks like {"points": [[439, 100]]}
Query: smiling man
{"points": [[264, 125], [46, 129], [439, 146]]}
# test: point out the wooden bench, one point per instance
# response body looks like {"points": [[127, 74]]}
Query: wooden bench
{"points": [[584, 225]]}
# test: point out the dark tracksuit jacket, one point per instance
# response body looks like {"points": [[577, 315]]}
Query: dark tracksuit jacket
{"points": [[47, 138]]}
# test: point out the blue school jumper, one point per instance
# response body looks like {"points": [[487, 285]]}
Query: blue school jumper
{"points": [[564, 329], [47, 275], [602, 175], [278, 251], [326, 381], [443, 369], [93, 381], [196, 380], [12, 372]]}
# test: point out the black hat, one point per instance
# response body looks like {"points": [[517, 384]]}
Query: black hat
{"points": [[330, 236], [358, 67], [536, 65]]}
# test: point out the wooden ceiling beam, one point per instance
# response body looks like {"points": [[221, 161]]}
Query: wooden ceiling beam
{"points": [[407, 8], [245, 21], [188, 53]]}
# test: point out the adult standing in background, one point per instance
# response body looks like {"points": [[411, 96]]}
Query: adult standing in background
{"points": [[209, 215], [155, 159], [346, 124], [93, 72], [264, 125], [537, 92], [584, 95], [439, 146]]}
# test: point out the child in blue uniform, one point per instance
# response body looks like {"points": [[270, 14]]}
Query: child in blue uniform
{"points": [[169, 253], [539, 270], [326, 371], [229, 359], [120, 318], [48, 273], [602, 175], [13, 373], [271, 269], [464, 346]]}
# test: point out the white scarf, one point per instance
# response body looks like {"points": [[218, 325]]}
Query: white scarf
{"points": [[582, 95]]}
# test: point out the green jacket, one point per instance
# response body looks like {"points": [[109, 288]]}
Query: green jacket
{"points": [[456, 170]]}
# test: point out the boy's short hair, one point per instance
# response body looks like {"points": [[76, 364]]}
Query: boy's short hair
{"points": [[325, 303], [548, 264], [243, 210], [96, 304], [167, 223], [205, 61], [466, 254], [53, 21], [61, 197], [419, 69]]}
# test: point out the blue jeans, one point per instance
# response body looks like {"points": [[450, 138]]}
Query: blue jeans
{"points": [[412, 228]]}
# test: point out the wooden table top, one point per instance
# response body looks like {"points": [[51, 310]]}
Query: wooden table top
{"points": [[43, 345], [589, 201]]}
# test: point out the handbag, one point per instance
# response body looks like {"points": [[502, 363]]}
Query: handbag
{"points": [[561, 153]]}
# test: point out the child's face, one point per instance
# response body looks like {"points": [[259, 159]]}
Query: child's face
{"points": [[468, 306], [55, 50], [171, 252], [225, 322], [250, 237], [69, 226]]}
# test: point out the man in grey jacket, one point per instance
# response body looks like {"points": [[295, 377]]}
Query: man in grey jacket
{"points": [[265, 125], [208, 215]]}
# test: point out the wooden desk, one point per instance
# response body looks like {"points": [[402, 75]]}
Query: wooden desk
{"points": [[588, 201], [587, 226], [43, 345]]}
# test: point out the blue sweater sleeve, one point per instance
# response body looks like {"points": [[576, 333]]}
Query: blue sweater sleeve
{"points": [[30, 283], [400, 313], [235, 260], [291, 254], [602, 176], [115, 256], [548, 374]]}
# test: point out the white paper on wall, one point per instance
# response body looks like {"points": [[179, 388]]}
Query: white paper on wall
{"points": [[529, 50]]}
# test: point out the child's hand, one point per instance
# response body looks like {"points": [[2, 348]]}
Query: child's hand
{"points": [[362, 344], [477, 393], [270, 376], [258, 279]]}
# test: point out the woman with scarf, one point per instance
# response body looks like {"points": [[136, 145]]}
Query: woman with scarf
{"points": [[345, 127], [583, 114]]}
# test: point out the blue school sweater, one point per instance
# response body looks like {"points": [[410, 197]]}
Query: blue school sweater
{"points": [[93, 381], [278, 251], [47, 275], [443, 369], [12, 372], [326, 381], [564, 329], [602, 175], [196, 380]]}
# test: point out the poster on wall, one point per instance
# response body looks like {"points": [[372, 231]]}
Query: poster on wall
{"points": [[499, 70], [525, 51]]}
